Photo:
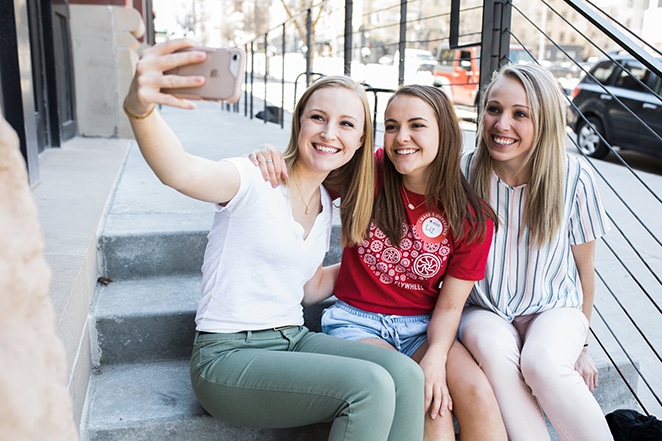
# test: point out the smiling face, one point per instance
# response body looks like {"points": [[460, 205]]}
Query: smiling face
{"points": [[508, 128], [332, 129], [411, 139]]}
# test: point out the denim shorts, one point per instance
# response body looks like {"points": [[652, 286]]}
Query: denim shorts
{"points": [[406, 333]]}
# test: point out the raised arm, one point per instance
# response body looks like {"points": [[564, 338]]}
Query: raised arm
{"points": [[194, 176]]}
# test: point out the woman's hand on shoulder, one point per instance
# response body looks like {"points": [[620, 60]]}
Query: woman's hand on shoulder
{"points": [[150, 76], [271, 163]]}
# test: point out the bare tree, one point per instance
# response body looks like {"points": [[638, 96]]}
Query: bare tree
{"points": [[294, 9]]}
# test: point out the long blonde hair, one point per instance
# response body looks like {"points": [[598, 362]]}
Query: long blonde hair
{"points": [[447, 189], [354, 180], [544, 193]]}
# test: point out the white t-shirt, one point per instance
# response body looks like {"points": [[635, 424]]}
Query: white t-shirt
{"points": [[257, 260], [521, 278]]}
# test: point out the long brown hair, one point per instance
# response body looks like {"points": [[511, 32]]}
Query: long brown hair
{"points": [[447, 189], [543, 210], [354, 180]]}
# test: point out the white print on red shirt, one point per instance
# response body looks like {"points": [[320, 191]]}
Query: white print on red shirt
{"points": [[423, 249]]}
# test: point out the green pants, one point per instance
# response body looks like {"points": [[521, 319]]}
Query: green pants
{"points": [[294, 377]]}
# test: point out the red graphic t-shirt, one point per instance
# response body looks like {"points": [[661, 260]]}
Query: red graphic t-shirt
{"points": [[379, 277]]}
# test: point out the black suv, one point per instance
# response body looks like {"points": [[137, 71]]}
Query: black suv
{"points": [[624, 106]]}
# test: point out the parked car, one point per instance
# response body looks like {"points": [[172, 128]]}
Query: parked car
{"points": [[620, 100], [419, 64], [567, 74], [458, 70], [417, 59]]}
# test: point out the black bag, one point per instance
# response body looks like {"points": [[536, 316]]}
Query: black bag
{"points": [[630, 425], [271, 114]]}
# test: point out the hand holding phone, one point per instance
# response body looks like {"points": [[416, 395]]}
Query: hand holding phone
{"points": [[223, 70]]}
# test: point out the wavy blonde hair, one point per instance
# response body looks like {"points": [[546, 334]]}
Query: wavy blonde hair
{"points": [[354, 180], [544, 193]]}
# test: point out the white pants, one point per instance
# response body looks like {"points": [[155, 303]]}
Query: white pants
{"points": [[530, 364]]}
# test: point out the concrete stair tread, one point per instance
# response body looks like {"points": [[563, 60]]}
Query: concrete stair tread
{"points": [[146, 391], [149, 295], [153, 319], [146, 319], [146, 224], [148, 401]]}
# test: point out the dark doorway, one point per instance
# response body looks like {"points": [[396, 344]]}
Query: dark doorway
{"points": [[35, 20], [63, 71]]}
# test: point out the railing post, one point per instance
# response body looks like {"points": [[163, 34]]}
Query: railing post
{"points": [[309, 43], [402, 43], [266, 74], [282, 80], [454, 31], [495, 40], [252, 75], [349, 35], [246, 75]]}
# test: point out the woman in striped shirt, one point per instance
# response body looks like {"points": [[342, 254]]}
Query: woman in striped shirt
{"points": [[527, 321]]}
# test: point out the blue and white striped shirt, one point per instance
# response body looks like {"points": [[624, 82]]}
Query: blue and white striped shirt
{"points": [[521, 278]]}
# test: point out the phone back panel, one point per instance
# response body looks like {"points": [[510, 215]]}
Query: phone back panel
{"points": [[223, 70]]}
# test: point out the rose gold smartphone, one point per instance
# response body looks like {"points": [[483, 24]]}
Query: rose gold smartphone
{"points": [[223, 70]]}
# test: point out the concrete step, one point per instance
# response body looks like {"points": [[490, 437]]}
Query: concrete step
{"points": [[138, 255], [154, 401], [142, 320], [131, 253], [152, 319]]}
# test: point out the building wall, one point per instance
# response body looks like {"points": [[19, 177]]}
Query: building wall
{"points": [[104, 40]]}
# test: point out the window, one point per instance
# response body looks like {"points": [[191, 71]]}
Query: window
{"points": [[465, 60], [657, 85], [446, 56], [603, 71], [634, 79]]}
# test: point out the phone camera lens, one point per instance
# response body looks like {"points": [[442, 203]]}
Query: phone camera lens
{"points": [[235, 57]]}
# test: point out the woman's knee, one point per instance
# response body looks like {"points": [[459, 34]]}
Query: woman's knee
{"points": [[542, 368], [489, 347], [473, 392], [369, 393], [401, 368], [372, 380], [480, 392], [483, 332]]}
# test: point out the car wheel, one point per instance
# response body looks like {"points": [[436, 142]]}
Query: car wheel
{"points": [[588, 138]]}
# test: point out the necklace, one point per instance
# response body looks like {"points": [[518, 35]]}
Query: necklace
{"points": [[409, 204], [298, 184]]}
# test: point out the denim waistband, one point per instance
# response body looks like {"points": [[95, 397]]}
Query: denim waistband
{"points": [[260, 333], [394, 318]]}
